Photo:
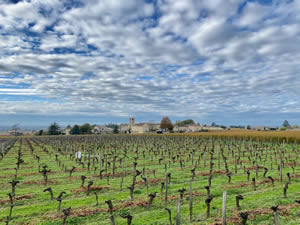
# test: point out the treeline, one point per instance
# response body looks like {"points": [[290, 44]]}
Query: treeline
{"points": [[55, 129], [83, 129]]}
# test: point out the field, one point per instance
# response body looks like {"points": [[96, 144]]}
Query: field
{"points": [[141, 175]]}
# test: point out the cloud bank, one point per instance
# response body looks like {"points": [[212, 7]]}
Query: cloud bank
{"points": [[191, 58]]}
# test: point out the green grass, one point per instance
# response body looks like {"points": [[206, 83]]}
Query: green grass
{"points": [[41, 210]]}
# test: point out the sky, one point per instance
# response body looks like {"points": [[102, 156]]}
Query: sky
{"points": [[74, 61]]}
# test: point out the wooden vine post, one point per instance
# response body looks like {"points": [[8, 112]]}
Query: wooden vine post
{"points": [[191, 201], [166, 191], [99, 160], [123, 175], [280, 171], [178, 213], [219, 164]]}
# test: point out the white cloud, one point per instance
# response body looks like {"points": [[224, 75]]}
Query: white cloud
{"points": [[253, 13], [113, 57]]}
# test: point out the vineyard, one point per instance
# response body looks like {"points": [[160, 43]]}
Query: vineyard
{"points": [[151, 179]]}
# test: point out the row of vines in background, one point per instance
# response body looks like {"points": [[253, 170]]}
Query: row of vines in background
{"points": [[262, 136]]}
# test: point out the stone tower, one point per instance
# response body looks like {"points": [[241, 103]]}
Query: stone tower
{"points": [[131, 121]]}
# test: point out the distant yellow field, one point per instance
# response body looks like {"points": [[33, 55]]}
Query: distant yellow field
{"points": [[273, 136], [270, 136]]}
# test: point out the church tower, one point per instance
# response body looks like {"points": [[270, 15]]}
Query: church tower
{"points": [[131, 124], [131, 121]]}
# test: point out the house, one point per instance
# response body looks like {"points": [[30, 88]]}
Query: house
{"points": [[188, 128], [260, 128], [263, 128], [102, 130], [195, 128], [66, 131], [212, 128], [15, 132]]}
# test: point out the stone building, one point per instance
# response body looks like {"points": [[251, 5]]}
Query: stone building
{"points": [[138, 128]]}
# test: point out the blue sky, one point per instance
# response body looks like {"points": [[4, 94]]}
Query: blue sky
{"points": [[73, 61]]}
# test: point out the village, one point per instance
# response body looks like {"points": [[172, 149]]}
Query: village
{"points": [[185, 126]]}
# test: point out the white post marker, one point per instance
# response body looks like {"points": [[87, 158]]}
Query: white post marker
{"points": [[224, 208], [78, 155]]}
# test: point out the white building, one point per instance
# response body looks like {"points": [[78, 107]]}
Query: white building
{"points": [[102, 130]]}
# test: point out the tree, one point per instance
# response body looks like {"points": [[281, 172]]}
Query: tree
{"points": [[185, 122], [213, 124], [286, 124], [166, 123], [40, 132], [54, 129], [248, 127], [116, 130], [115, 127], [86, 129], [75, 130]]}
